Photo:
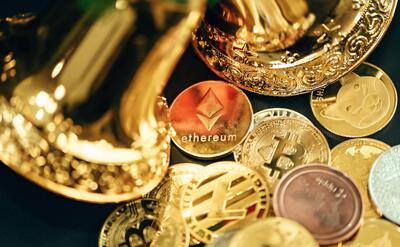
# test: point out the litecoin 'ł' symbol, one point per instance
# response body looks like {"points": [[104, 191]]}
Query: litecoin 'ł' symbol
{"points": [[282, 155], [209, 109], [227, 192]]}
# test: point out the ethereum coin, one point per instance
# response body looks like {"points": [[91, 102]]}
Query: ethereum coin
{"points": [[355, 157], [384, 184], [273, 231], [278, 145], [266, 115], [210, 118], [224, 194], [360, 104]]}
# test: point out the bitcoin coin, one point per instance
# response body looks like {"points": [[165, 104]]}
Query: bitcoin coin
{"points": [[139, 223], [324, 200], [273, 231], [278, 145], [355, 157], [360, 104], [224, 194], [384, 184], [266, 115], [210, 118], [376, 233]]}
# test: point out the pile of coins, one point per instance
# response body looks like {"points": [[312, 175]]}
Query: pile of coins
{"points": [[286, 186]]}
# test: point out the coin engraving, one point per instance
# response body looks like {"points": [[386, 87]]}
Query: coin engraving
{"points": [[280, 144], [209, 109], [360, 104], [225, 193]]}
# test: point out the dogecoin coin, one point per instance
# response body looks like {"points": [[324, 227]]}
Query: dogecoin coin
{"points": [[222, 195], [376, 233], [355, 157], [138, 223], [324, 200], [278, 145], [266, 115], [210, 118], [384, 184], [360, 104], [273, 231]]}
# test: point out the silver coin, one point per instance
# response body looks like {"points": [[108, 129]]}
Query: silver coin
{"points": [[384, 184], [264, 115]]}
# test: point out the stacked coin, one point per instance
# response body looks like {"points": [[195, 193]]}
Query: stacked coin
{"points": [[286, 187]]}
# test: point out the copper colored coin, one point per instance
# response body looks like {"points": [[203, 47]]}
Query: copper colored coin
{"points": [[322, 199], [210, 119]]}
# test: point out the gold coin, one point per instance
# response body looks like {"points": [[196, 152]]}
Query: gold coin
{"points": [[360, 104], [273, 231], [355, 157], [210, 118], [278, 145], [140, 222], [224, 194], [376, 233]]}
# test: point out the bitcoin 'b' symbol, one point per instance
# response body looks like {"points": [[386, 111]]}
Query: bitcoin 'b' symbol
{"points": [[282, 155]]}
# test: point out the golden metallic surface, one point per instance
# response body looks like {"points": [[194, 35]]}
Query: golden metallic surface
{"points": [[210, 119], [264, 115], [284, 47], [273, 231], [360, 104], [376, 233], [86, 123], [222, 196], [355, 157], [144, 222], [278, 145]]}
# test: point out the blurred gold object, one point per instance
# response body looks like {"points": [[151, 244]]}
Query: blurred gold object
{"points": [[360, 104], [84, 119], [284, 47]]}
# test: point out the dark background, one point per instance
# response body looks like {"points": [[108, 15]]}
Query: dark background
{"points": [[31, 216]]}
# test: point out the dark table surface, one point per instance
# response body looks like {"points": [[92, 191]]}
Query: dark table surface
{"points": [[32, 216]]}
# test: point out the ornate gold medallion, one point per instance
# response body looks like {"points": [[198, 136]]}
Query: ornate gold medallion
{"points": [[210, 118], [360, 104], [355, 157], [224, 194], [273, 231], [278, 145], [376, 233], [284, 47]]}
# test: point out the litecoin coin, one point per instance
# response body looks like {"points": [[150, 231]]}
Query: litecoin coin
{"points": [[139, 223], [273, 231], [210, 118], [384, 184], [266, 115], [322, 199], [355, 157], [278, 145], [224, 194], [376, 233], [360, 104]]}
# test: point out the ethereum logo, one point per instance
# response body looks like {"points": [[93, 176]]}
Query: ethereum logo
{"points": [[209, 109]]}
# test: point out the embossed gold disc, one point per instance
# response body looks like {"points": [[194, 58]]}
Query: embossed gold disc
{"points": [[376, 233], [355, 157], [274, 231], [210, 118], [225, 193], [285, 47], [141, 222], [278, 145], [360, 104]]}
